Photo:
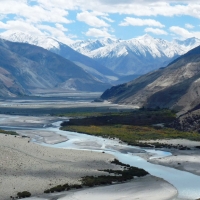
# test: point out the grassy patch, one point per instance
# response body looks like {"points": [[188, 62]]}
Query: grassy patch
{"points": [[116, 176], [131, 134], [8, 132], [130, 127], [24, 194], [81, 114], [136, 114], [138, 118], [61, 188]]}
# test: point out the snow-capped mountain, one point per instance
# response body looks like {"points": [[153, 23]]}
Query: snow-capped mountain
{"points": [[135, 56], [85, 47], [104, 58], [188, 43], [41, 41], [91, 66]]}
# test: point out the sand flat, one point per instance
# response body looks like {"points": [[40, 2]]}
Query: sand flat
{"points": [[148, 187], [31, 167]]}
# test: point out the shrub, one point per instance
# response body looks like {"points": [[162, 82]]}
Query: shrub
{"points": [[61, 188], [23, 194]]}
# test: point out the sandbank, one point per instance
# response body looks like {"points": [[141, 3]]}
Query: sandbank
{"points": [[30, 167], [26, 166], [186, 160], [148, 187]]}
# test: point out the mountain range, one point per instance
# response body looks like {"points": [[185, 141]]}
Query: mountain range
{"points": [[111, 59], [86, 63], [135, 56], [103, 63], [176, 86], [25, 68]]}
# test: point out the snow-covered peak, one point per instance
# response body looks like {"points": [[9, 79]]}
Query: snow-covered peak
{"points": [[141, 46], [107, 41], [42, 41], [87, 46], [188, 44], [17, 36]]}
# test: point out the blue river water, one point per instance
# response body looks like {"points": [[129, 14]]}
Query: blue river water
{"points": [[186, 183]]}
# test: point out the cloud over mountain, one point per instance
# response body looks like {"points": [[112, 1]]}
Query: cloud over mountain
{"points": [[76, 19]]}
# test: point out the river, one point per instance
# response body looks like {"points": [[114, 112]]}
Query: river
{"points": [[186, 183]]}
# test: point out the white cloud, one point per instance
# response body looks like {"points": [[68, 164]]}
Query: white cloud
{"points": [[183, 33], [152, 8], [61, 27], [99, 33], [189, 26], [156, 31], [67, 5], [130, 21], [91, 19], [50, 29], [19, 25], [34, 14], [135, 7], [107, 18], [56, 33], [29, 18]]}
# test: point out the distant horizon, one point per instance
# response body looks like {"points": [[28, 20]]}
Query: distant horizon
{"points": [[72, 20]]}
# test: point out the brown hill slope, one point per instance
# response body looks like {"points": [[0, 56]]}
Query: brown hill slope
{"points": [[177, 86]]}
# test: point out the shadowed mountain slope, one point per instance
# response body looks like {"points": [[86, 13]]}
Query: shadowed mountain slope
{"points": [[30, 67], [89, 65]]}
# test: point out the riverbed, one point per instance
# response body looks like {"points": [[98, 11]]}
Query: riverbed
{"points": [[44, 130], [186, 183]]}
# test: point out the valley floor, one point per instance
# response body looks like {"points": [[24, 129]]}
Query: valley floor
{"points": [[26, 166], [30, 167]]}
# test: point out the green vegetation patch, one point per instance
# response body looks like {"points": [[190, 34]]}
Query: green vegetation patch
{"points": [[137, 117], [61, 188], [91, 181], [131, 134], [115, 176], [81, 114], [131, 127], [117, 162], [23, 194], [8, 132]]}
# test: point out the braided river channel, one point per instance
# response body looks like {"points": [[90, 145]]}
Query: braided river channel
{"points": [[187, 184]]}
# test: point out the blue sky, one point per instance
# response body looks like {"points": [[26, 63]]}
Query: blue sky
{"points": [[68, 20]]}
